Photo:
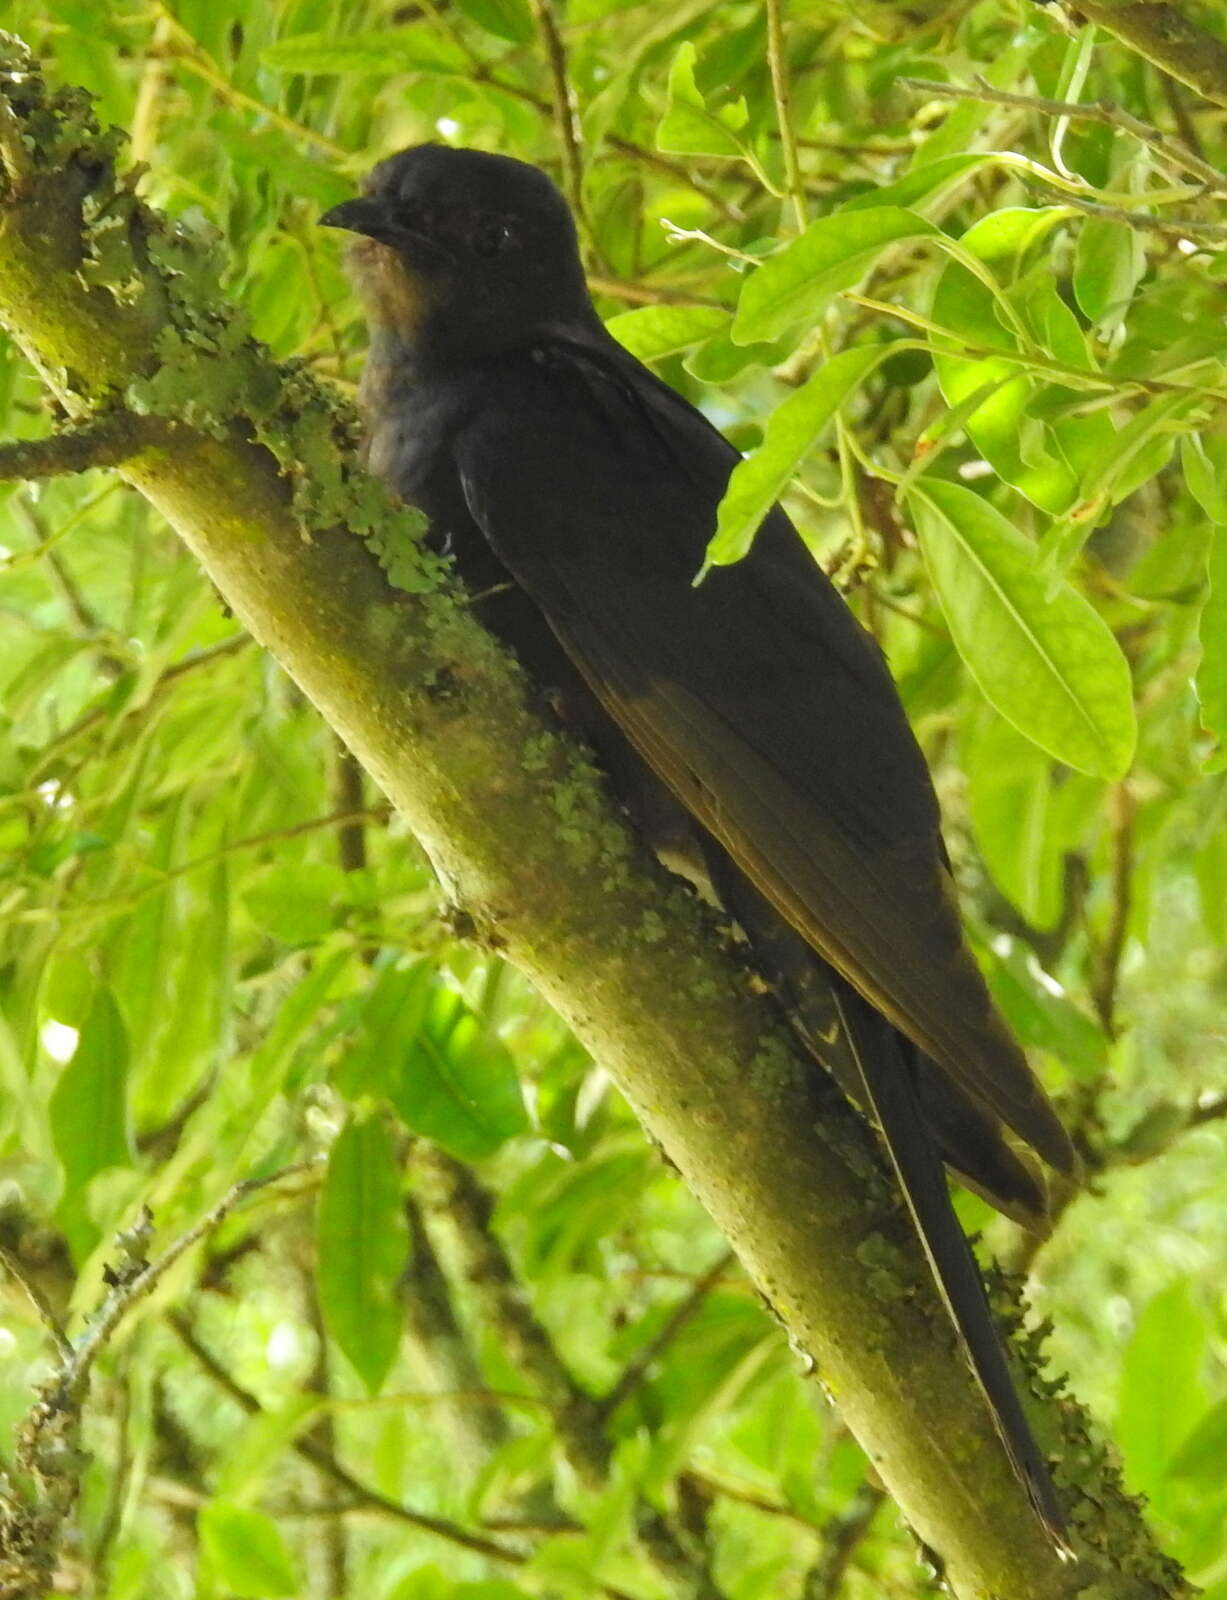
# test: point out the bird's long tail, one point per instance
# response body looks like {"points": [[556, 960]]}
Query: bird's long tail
{"points": [[890, 1094]]}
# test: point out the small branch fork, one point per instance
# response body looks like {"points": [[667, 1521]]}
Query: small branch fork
{"points": [[36, 1500], [1102, 111]]}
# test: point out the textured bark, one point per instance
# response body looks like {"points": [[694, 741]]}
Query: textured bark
{"points": [[324, 570]]}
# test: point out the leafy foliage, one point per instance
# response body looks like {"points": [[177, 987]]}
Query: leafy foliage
{"points": [[979, 348]]}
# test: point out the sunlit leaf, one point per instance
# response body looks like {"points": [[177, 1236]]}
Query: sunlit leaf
{"points": [[361, 1245], [831, 255], [791, 432], [653, 332], [89, 1112], [689, 127], [1212, 669], [247, 1552], [381, 51], [1040, 654]]}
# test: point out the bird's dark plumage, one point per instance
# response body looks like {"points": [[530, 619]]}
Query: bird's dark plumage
{"points": [[749, 722]]}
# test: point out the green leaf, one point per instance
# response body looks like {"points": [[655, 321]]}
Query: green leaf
{"points": [[830, 256], [921, 183], [361, 1247], [1204, 1450], [1041, 655], [1204, 459], [456, 1082], [382, 50], [88, 1110], [246, 1551], [1042, 1015], [505, 19], [1108, 265], [1212, 669], [791, 432], [1132, 456], [653, 332], [1161, 1394], [1017, 446], [688, 127], [296, 901]]}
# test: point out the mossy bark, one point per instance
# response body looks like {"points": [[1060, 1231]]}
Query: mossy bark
{"points": [[325, 571]]}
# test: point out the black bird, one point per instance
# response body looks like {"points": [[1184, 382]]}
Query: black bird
{"points": [[749, 722]]}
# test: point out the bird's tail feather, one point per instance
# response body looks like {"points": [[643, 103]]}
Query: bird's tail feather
{"points": [[891, 1095]]}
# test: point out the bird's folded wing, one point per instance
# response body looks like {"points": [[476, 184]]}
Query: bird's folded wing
{"points": [[755, 696]]}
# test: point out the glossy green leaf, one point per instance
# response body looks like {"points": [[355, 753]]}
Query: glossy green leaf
{"points": [[246, 1551], [653, 332], [362, 1243], [831, 255], [88, 1110], [1040, 654], [791, 432]]}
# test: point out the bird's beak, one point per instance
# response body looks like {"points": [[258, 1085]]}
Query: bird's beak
{"points": [[365, 215]]}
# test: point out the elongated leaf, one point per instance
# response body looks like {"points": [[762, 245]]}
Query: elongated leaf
{"points": [[1108, 265], [1016, 444], [89, 1114], [1212, 669], [1161, 1393], [456, 1082], [1205, 1449], [382, 51], [246, 1552], [505, 19], [361, 1246], [921, 183], [1204, 459], [831, 255], [792, 430], [1044, 658], [653, 332]]}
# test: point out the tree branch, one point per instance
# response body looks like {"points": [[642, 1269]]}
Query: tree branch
{"points": [[1168, 39], [325, 569]]}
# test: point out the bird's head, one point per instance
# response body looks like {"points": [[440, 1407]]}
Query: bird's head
{"points": [[463, 254]]}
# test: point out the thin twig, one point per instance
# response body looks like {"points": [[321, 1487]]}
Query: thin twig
{"points": [[1102, 111], [637, 1369], [1144, 221], [1074, 377], [841, 1536], [777, 60], [566, 118], [42, 1306], [330, 1467], [647, 294], [457, 1211], [131, 1291], [188, 52]]}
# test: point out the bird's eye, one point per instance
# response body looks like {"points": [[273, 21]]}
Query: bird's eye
{"points": [[491, 237]]}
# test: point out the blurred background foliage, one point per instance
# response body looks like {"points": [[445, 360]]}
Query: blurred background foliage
{"points": [[490, 1346]]}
